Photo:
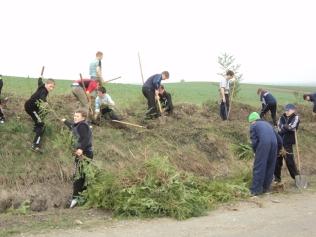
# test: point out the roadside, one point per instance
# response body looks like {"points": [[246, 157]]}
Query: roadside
{"points": [[290, 213]]}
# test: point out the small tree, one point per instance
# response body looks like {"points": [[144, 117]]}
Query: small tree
{"points": [[227, 62]]}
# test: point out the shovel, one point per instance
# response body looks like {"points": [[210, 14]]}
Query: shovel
{"points": [[300, 180]]}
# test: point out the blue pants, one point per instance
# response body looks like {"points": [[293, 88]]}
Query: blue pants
{"points": [[263, 168]]}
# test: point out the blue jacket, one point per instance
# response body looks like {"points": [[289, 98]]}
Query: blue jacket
{"points": [[287, 126], [153, 82], [262, 133], [267, 98]]}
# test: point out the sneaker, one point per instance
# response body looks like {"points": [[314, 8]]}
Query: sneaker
{"points": [[36, 148], [73, 203]]}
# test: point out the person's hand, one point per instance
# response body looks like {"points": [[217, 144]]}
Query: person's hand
{"points": [[157, 97], [79, 152], [224, 100], [63, 119]]}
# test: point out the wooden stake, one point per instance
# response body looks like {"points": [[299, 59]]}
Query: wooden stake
{"points": [[131, 124]]}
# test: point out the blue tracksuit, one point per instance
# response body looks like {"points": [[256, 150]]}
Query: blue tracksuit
{"points": [[265, 145]]}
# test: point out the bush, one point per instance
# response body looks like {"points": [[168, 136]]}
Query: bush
{"points": [[157, 189]]}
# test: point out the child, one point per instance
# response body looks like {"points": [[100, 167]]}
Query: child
{"points": [[84, 90], [224, 93], [104, 104], [311, 98], [265, 144], [165, 100], [32, 108], [83, 148], [95, 68], [268, 103], [150, 91], [2, 118], [287, 126]]}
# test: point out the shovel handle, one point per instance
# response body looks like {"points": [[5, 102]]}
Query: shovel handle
{"points": [[298, 152]]}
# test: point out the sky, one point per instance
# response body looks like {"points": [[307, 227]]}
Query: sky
{"points": [[274, 41]]}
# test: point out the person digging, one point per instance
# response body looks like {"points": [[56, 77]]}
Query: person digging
{"points": [[224, 94], [265, 144], [150, 90], [269, 103], [311, 98], [34, 108]]}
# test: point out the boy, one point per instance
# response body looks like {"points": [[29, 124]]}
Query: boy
{"points": [[32, 108], [104, 104], [265, 144], [287, 126], [224, 93], [165, 100], [82, 135], [311, 98], [95, 69], [268, 103], [151, 93], [84, 91]]}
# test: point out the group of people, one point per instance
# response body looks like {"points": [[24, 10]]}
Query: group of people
{"points": [[95, 102]]}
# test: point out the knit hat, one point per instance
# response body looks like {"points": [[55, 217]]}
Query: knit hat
{"points": [[253, 117], [289, 107]]}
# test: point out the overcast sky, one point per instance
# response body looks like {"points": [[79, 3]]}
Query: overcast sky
{"points": [[274, 41]]}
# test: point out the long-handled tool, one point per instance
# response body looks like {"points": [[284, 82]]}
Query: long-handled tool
{"points": [[131, 124], [231, 100], [300, 180], [42, 72], [116, 78], [84, 90], [141, 69]]}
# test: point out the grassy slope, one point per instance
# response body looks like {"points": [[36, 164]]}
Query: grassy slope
{"points": [[195, 139]]}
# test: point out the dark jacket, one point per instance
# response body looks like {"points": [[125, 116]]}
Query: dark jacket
{"points": [[166, 101], [261, 132], [40, 95], [313, 99], [267, 98], [82, 135], [153, 82], [287, 127]]}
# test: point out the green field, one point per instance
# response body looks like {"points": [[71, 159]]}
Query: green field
{"points": [[186, 92]]}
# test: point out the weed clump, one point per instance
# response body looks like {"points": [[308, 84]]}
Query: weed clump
{"points": [[158, 189]]}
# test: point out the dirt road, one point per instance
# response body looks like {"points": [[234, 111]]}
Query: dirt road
{"points": [[272, 215]]}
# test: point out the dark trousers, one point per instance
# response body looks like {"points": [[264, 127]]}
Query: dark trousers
{"points": [[272, 108], [39, 125], [151, 102], [263, 168], [290, 163], [109, 113], [80, 176], [1, 85], [224, 108]]}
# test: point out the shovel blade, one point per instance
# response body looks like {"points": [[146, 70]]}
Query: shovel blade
{"points": [[301, 181]]}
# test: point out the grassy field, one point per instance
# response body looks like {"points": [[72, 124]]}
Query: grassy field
{"points": [[187, 92]]}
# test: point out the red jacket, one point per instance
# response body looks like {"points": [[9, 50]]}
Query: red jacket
{"points": [[89, 85]]}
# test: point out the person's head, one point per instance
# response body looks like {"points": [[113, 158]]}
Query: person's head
{"points": [[161, 89], [307, 97], [289, 109], [253, 117], [99, 55], [101, 91], [230, 74], [80, 115], [50, 84], [259, 91], [165, 75], [99, 83]]}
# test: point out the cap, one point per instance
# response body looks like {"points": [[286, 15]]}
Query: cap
{"points": [[253, 117], [289, 107]]}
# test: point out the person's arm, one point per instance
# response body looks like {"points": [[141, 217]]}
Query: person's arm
{"points": [[109, 100], [293, 125], [67, 123], [254, 137], [40, 82], [222, 86]]}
